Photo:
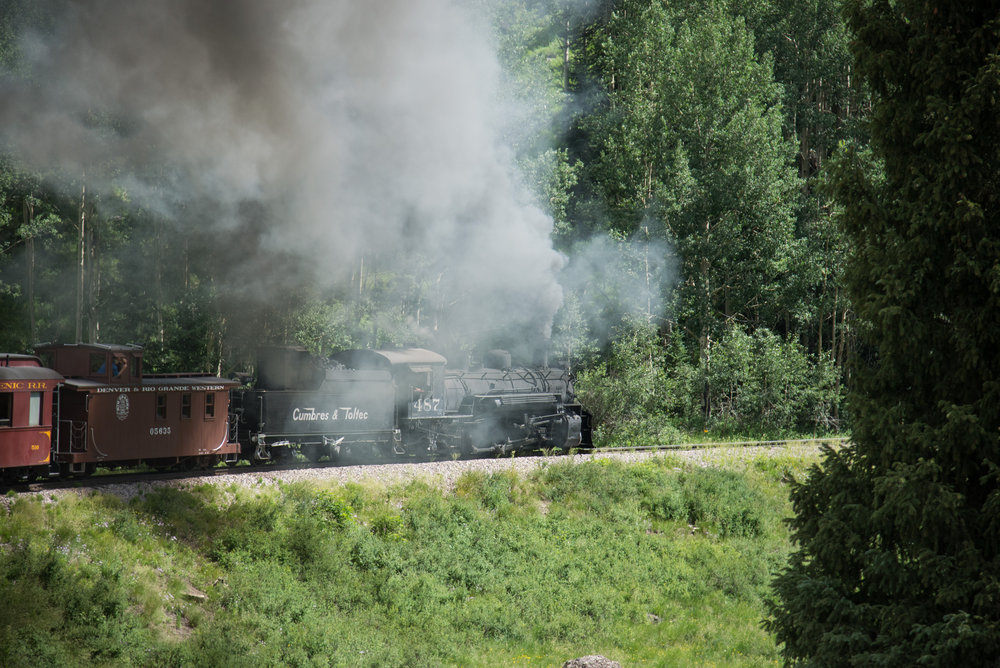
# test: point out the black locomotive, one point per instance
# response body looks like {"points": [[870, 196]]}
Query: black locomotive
{"points": [[398, 402]]}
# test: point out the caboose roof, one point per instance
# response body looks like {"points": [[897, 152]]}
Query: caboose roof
{"points": [[16, 359], [28, 373]]}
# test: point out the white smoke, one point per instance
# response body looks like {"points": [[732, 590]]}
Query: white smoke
{"points": [[617, 280], [351, 127]]}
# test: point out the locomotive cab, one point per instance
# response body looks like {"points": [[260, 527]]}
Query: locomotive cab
{"points": [[418, 382], [418, 375]]}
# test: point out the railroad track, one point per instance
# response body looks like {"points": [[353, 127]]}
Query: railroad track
{"points": [[100, 480], [840, 440]]}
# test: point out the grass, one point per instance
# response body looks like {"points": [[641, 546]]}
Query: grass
{"points": [[655, 564]]}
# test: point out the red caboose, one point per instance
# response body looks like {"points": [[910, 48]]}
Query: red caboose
{"points": [[111, 414], [26, 391]]}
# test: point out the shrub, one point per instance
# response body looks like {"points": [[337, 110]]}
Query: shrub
{"points": [[759, 383], [723, 499], [630, 394], [571, 558]]}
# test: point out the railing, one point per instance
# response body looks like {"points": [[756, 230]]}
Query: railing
{"points": [[77, 436]]}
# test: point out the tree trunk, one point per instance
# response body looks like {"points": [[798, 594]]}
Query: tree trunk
{"points": [[819, 331], [361, 278], [704, 339], [93, 274], [833, 325], [839, 360], [566, 44], [81, 260], [158, 284], [649, 277], [29, 217]]}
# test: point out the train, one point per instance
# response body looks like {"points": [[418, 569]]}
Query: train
{"points": [[73, 407]]}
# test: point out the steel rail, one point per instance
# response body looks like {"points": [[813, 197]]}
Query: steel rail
{"points": [[132, 477], [722, 444]]}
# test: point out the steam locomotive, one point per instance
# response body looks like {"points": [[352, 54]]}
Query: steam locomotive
{"points": [[74, 407], [399, 402]]}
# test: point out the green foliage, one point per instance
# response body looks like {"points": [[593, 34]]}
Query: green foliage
{"points": [[809, 43], [72, 587], [691, 136], [570, 560], [747, 384], [768, 385], [715, 500], [556, 176], [630, 394], [688, 142], [898, 549], [187, 340], [572, 342], [326, 327]]}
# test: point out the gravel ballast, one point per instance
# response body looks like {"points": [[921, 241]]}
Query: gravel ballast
{"points": [[443, 474]]}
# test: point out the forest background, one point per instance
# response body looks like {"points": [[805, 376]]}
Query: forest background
{"points": [[677, 149]]}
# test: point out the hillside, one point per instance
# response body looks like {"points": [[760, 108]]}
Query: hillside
{"points": [[661, 562]]}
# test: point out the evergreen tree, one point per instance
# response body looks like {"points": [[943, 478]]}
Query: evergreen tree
{"points": [[898, 559]]}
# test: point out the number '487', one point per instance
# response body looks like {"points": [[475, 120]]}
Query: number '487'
{"points": [[427, 405]]}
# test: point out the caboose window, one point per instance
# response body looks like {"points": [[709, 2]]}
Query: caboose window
{"points": [[209, 405], [6, 408], [186, 406], [98, 364], [161, 406], [35, 409]]}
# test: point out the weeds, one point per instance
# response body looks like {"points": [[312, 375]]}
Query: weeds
{"points": [[572, 560]]}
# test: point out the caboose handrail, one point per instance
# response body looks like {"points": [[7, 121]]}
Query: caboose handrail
{"points": [[76, 431]]}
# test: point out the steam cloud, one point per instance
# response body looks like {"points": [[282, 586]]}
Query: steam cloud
{"points": [[354, 127]]}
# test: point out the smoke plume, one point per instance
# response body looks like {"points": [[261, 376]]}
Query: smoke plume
{"points": [[348, 127]]}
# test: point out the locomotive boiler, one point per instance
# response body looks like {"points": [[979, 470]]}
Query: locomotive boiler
{"points": [[400, 402]]}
